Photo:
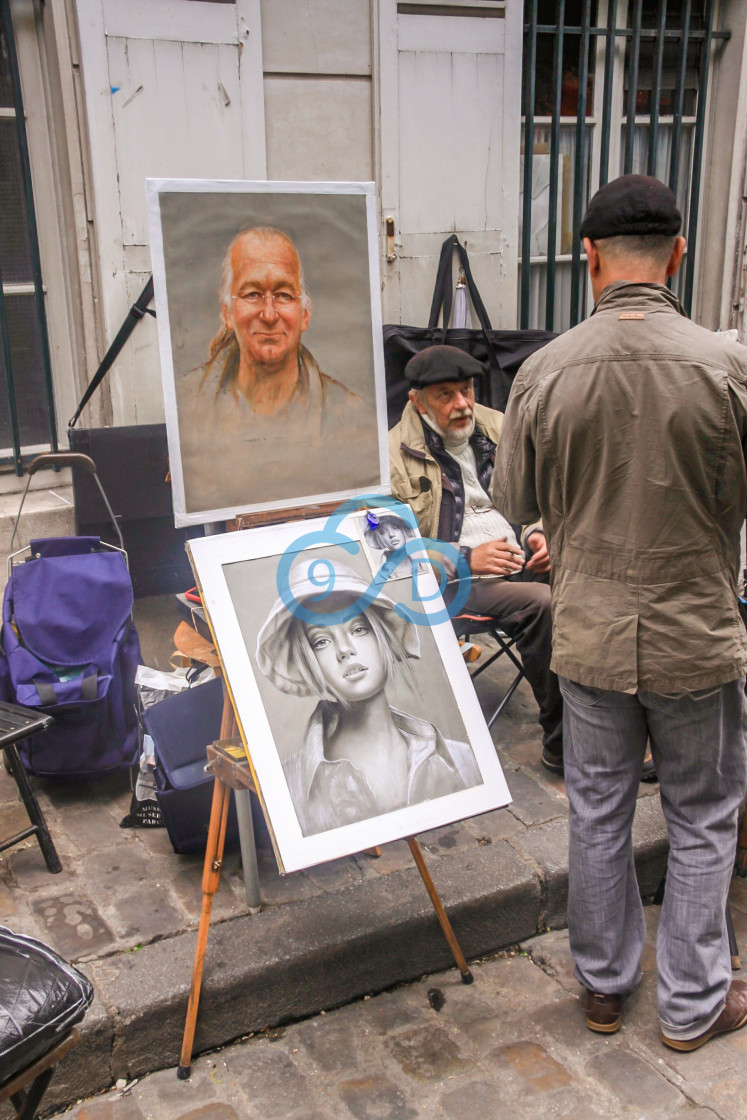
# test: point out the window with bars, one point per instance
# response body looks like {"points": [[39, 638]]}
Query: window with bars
{"points": [[645, 62], [27, 420]]}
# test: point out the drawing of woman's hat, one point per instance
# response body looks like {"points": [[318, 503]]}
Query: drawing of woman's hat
{"points": [[371, 532], [274, 653]]}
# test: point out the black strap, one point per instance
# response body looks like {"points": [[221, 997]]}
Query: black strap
{"points": [[47, 696], [89, 690], [442, 291], [134, 315], [89, 687], [443, 295]]}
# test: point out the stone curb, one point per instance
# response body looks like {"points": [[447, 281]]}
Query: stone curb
{"points": [[298, 959]]}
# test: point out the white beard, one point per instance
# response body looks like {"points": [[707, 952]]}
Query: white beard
{"points": [[450, 438]]}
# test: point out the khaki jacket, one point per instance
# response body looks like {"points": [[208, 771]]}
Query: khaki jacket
{"points": [[415, 474], [628, 433]]}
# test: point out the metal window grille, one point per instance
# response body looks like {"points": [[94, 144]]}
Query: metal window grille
{"points": [[27, 418], [611, 87]]}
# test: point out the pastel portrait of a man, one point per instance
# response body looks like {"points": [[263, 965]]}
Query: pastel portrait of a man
{"points": [[264, 417]]}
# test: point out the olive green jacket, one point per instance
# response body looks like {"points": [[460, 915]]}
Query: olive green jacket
{"points": [[628, 434]]}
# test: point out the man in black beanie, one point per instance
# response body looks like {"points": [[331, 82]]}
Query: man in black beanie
{"points": [[628, 435]]}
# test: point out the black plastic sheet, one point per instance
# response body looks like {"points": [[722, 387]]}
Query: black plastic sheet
{"points": [[41, 998]]}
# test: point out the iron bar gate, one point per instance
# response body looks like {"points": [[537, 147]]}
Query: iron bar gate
{"points": [[601, 84], [27, 415]]}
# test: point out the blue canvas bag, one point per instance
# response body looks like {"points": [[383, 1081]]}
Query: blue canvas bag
{"points": [[181, 727], [70, 649]]}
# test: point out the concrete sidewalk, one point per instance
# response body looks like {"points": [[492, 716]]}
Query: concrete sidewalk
{"points": [[126, 908]]}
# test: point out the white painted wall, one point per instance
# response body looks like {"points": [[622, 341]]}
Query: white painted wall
{"points": [[317, 63], [450, 105], [304, 89], [173, 89]]}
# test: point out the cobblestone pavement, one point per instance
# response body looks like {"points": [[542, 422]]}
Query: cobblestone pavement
{"points": [[512, 1045]]}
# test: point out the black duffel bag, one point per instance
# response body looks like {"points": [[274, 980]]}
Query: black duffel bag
{"points": [[502, 351], [41, 998]]}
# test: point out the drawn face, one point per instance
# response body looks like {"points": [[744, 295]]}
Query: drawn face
{"points": [[349, 658], [391, 536], [450, 406], [266, 312]]}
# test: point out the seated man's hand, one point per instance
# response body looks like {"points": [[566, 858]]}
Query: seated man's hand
{"points": [[496, 558], [539, 562]]}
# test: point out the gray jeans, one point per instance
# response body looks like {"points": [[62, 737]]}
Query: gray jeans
{"points": [[698, 744]]}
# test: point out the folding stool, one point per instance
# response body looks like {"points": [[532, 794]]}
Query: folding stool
{"points": [[470, 625]]}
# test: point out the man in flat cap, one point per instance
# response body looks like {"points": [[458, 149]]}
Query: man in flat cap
{"points": [[628, 434], [441, 455]]}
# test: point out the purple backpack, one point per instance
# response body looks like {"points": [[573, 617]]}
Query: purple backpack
{"points": [[70, 649]]}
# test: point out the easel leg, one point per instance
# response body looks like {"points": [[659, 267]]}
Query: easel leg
{"points": [[228, 726], [736, 961], [228, 729], [742, 848], [444, 922], [242, 800], [210, 880]]}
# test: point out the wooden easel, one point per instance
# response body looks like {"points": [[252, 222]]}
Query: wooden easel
{"points": [[742, 849], [227, 761]]}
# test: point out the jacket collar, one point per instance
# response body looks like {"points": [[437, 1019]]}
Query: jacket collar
{"points": [[624, 292], [423, 740]]}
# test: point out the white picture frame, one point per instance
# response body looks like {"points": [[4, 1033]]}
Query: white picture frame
{"points": [[230, 453], [457, 773]]}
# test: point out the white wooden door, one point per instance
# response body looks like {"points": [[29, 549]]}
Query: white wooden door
{"points": [[450, 100], [173, 88]]}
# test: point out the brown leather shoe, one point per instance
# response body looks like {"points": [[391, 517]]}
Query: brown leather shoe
{"points": [[603, 1013], [731, 1018]]}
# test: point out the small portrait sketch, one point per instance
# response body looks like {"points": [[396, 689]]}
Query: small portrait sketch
{"points": [[384, 535], [360, 756]]}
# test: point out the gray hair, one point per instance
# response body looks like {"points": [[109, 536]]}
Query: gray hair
{"points": [[263, 233], [654, 247]]}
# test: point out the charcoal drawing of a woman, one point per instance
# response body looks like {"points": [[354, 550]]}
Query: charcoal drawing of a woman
{"points": [[360, 756], [389, 534]]}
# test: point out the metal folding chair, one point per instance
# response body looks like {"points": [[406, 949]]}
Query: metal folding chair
{"points": [[17, 723], [470, 625]]}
